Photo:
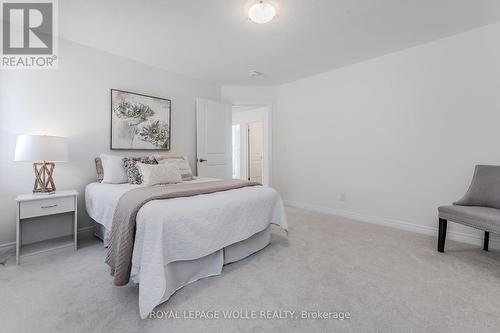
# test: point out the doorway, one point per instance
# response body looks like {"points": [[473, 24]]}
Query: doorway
{"points": [[251, 143], [255, 141]]}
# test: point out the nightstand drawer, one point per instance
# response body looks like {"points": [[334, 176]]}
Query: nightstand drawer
{"points": [[47, 206]]}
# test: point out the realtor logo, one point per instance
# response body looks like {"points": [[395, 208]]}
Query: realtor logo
{"points": [[29, 36]]}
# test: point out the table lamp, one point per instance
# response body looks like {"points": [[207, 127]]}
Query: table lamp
{"points": [[43, 151]]}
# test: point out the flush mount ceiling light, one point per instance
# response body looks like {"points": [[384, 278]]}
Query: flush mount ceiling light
{"points": [[262, 12]]}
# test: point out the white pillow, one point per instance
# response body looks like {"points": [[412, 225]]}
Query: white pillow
{"points": [[180, 162], [153, 174], [114, 171]]}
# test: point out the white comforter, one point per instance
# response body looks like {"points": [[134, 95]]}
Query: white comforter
{"points": [[101, 199], [245, 209]]}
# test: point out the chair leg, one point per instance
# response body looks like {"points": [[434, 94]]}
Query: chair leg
{"points": [[442, 234], [486, 240]]}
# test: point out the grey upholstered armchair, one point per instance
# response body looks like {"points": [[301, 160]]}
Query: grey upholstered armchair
{"points": [[479, 208]]}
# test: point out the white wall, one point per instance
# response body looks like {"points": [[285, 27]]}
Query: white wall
{"points": [[74, 101], [398, 135]]}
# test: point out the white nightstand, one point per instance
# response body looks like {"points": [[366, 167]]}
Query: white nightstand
{"points": [[36, 205]]}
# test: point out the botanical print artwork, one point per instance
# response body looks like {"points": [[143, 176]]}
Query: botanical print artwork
{"points": [[139, 121]]}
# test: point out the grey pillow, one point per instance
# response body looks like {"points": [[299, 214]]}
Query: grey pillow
{"points": [[133, 172], [99, 169], [484, 189]]}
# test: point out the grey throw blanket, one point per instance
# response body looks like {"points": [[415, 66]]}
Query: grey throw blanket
{"points": [[119, 256]]}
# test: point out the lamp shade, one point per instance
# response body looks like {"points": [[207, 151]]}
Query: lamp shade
{"points": [[34, 148]]}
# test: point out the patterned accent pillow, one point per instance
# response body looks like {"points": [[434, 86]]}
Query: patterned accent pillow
{"points": [[99, 169], [133, 172]]}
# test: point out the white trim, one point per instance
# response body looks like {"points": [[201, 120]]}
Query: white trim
{"points": [[85, 232], [6, 246], [402, 225]]}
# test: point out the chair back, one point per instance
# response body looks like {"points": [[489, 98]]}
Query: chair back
{"points": [[484, 189]]}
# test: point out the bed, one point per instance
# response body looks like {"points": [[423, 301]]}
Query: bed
{"points": [[161, 263]]}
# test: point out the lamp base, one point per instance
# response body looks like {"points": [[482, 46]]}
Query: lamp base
{"points": [[44, 183]]}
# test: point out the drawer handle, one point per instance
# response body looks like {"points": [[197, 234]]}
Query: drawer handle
{"points": [[51, 206]]}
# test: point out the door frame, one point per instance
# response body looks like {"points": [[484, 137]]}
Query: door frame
{"points": [[257, 112]]}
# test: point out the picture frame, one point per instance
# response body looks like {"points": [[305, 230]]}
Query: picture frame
{"points": [[140, 122]]}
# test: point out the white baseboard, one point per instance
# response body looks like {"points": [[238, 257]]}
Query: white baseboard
{"points": [[8, 246], [83, 233], [421, 229], [86, 232]]}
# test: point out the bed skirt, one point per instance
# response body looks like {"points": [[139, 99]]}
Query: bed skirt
{"points": [[101, 233], [181, 273]]}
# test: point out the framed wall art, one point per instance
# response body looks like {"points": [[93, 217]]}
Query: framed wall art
{"points": [[139, 122]]}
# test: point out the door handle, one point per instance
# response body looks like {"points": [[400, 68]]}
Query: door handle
{"points": [[201, 160]]}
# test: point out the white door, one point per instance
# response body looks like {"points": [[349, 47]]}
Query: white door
{"points": [[213, 139], [255, 151]]}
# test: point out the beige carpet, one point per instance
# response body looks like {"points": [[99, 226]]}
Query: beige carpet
{"points": [[388, 280]]}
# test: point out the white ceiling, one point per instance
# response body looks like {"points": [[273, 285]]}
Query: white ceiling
{"points": [[214, 40]]}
